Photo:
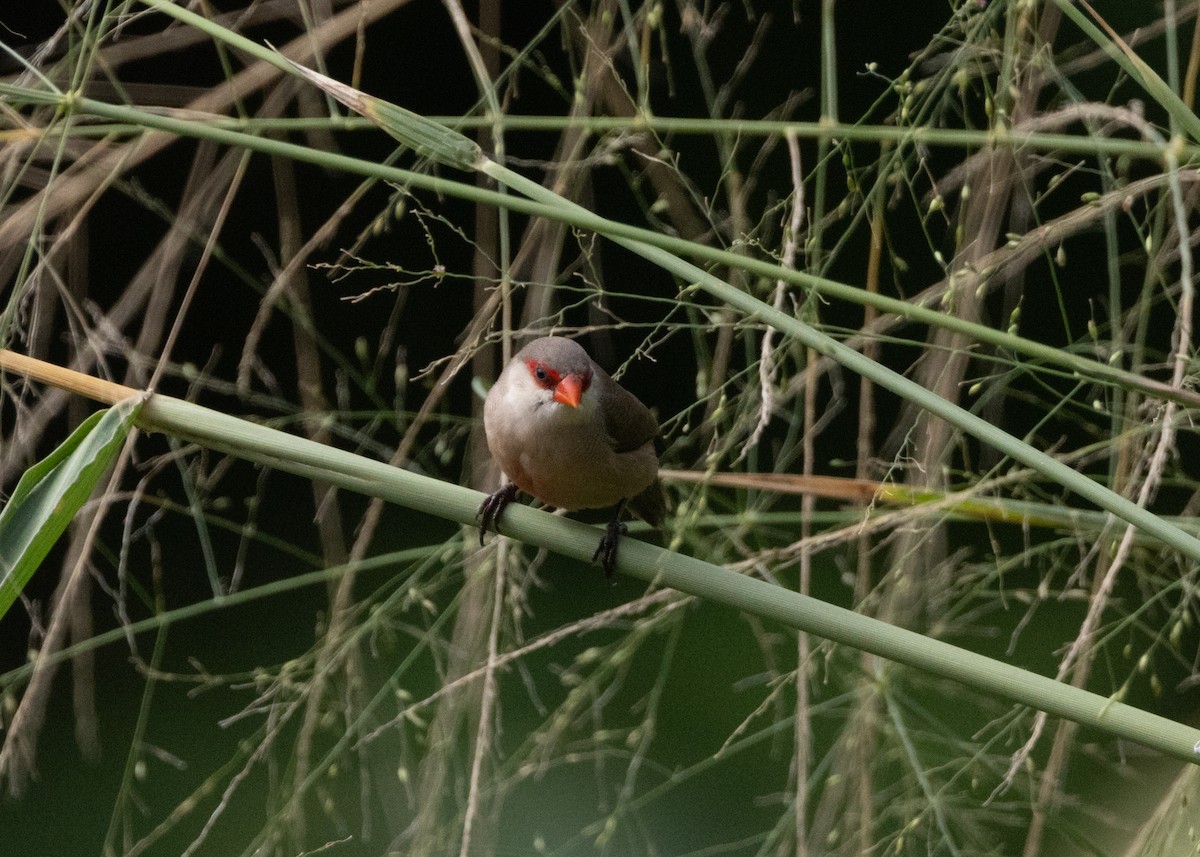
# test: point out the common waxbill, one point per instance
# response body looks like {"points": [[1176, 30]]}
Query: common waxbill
{"points": [[565, 432]]}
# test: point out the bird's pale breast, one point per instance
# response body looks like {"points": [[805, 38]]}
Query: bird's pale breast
{"points": [[562, 455]]}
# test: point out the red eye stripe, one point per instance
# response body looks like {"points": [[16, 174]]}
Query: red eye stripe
{"points": [[543, 374]]}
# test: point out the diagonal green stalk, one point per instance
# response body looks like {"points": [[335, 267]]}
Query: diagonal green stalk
{"points": [[313, 460], [656, 565]]}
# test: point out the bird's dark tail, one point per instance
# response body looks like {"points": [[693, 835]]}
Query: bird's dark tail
{"points": [[650, 505]]}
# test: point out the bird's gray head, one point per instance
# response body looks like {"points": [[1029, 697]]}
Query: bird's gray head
{"points": [[559, 365]]}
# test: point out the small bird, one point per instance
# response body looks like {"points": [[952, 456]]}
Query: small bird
{"points": [[565, 432]]}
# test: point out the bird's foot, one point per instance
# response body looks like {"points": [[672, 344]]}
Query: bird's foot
{"points": [[493, 507], [607, 549]]}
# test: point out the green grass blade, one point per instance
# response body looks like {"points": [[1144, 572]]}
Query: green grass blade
{"points": [[52, 491]]}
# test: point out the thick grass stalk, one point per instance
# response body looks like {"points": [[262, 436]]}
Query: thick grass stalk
{"points": [[656, 565]]}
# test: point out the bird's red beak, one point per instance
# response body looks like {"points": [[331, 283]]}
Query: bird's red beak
{"points": [[570, 390]]}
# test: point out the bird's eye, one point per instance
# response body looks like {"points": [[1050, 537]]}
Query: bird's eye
{"points": [[542, 374]]}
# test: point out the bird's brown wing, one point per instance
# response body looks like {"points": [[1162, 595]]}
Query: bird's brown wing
{"points": [[628, 423], [630, 426]]}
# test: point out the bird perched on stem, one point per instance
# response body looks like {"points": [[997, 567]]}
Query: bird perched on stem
{"points": [[566, 433]]}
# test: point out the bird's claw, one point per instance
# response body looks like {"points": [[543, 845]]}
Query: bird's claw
{"points": [[607, 549], [493, 507]]}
